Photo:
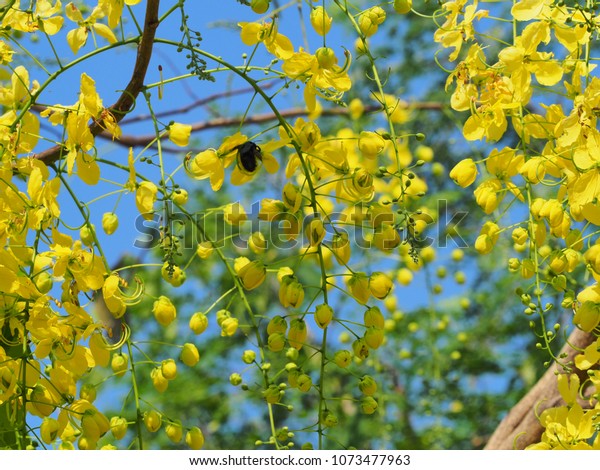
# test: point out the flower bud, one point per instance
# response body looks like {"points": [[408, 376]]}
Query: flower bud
{"points": [[368, 405], [164, 311], [229, 326], [277, 324], [110, 222], [235, 379], [320, 20], [152, 420], [328, 419], [291, 292], [292, 197], [204, 249], [194, 438], [342, 358], [326, 57], [234, 213], [159, 381], [88, 392], [179, 133], [257, 243], [118, 427], [315, 232], [248, 356], [271, 209], [189, 355], [323, 315], [380, 285], [386, 237], [276, 342], [43, 282], [373, 337], [402, 6], [340, 246], [374, 317], [169, 369], [304, 383], [464, 172], [252, 274], [119, 364], [259, 6], [367, 385], [358, 285], [360, 348], [86, 233], [198, 323], [172, 274], [180, 197], [49, 430], [174, 432], [298, 333], [272, 394]]}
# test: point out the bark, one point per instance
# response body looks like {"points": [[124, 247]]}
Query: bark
{"points": [[521, 427]]}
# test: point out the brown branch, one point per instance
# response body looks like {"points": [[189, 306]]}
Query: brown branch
{"points": [[196, 103], [127, 99], [142, 141], [521, 427]]}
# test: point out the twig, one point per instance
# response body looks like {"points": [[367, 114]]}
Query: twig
{"points": [[127, 99]]}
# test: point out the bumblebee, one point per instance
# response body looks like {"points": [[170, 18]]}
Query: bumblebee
{"points": [[248, 157]]}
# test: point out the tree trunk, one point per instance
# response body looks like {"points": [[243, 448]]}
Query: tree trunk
{"points": [[521, 427]]}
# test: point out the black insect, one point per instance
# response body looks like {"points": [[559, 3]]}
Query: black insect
{"points": [[248, 156]]}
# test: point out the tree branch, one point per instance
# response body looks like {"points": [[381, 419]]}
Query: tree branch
{"points": [[142, 141], [127, 99], [521, 427]]}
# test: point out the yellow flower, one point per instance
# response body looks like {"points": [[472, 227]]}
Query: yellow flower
{"points": [[145, 197], [277, 44], [370, 144], [76, 38], [164, 311], [198, 323], [464, 172], [323, 78], [374, 317], [179, 134], [207, 164]]}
